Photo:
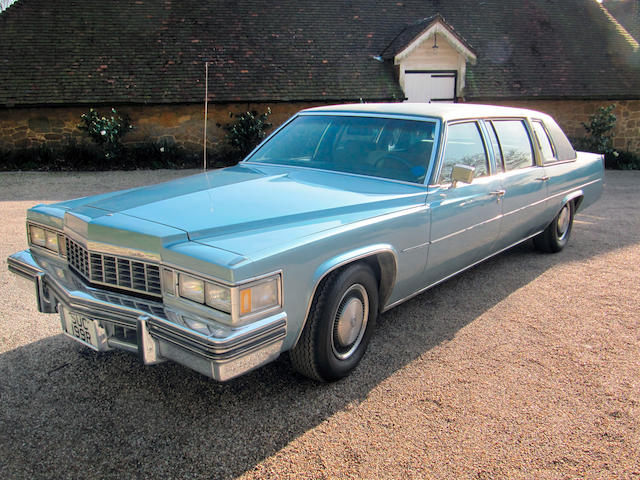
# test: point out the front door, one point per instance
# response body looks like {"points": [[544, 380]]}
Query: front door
{"points": [[465, 218]]}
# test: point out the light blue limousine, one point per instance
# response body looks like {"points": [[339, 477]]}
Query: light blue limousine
{"points": [[341, 214]]}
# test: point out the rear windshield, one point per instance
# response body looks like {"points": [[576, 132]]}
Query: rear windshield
{"points": [[381, 147]]}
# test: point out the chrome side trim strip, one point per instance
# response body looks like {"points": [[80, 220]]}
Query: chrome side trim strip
{"points": [[422, 245], [576, 190], [450, 235], [398, 302]]}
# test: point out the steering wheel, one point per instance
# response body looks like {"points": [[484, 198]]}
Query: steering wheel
{"points": [[390, 159]]}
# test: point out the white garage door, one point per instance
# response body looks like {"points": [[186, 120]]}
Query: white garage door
{"points": [[420, 86]]}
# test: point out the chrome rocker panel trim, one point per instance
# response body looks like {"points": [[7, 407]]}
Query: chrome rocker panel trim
{"points": [[159, 335]]}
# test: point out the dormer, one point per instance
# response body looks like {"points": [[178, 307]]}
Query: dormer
{"points": [[431, 60]]}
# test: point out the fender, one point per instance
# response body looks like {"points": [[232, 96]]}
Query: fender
{"points": [[387, 257], [578, 194]]}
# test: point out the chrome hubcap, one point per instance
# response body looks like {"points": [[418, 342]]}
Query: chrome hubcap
{"points": [[350, 322], [563, 221]]}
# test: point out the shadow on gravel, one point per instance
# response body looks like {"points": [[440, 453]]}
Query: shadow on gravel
{"points": [[66, 412]]}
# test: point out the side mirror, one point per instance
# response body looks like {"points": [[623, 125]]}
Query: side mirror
{"points": [[462, 173]]}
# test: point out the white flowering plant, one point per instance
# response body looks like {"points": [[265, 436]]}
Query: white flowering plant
{"points": [[106, 132]]}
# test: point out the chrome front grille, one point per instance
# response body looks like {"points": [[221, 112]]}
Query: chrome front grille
{"points": [[117, 272]]}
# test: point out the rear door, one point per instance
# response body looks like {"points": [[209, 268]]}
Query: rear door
{"points": [[524, 181]]}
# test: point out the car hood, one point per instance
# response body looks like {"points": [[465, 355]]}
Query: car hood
{"points": [[250, 207]]}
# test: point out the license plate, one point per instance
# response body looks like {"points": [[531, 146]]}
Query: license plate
{"points": [[80, 328]]}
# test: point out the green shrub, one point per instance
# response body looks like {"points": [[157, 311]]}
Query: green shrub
{"points": [[154, 155], [106, 132], [248, 130], [90, 157], [599, 137], [622, 160]]}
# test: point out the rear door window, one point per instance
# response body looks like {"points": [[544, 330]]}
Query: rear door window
{"points": [[464, 146], [515, 143]]}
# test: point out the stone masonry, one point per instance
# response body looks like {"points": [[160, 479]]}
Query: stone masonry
{"points": [[570, 113], [182, 124]]}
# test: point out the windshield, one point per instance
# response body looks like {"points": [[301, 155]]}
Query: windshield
{"points": [[381, 147]]}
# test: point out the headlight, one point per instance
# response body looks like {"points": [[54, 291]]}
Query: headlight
{"points": [[51, 240], [45, 238], [191, 288], [201, 291], [37, 236], [240, 301], [217, 296], [260, 296]]}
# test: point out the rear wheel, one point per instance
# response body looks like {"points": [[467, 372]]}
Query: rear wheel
{"points": [[556, 235], [340, 324]]}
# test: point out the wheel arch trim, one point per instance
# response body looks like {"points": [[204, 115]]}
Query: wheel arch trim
{"points": [[387, 260], [578, 195]]}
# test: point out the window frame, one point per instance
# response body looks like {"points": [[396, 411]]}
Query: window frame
{"points": [[543, 160], [431, 160], [528, 129], [443, 150]]}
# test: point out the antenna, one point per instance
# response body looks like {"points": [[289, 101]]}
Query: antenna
{"points": [[206, 99]]}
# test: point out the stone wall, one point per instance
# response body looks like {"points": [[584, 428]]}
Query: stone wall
{"points": [[183, 123], [178, 123], [570, 113]]}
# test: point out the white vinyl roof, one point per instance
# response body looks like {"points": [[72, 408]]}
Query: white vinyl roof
{"points": [[445, 111]]}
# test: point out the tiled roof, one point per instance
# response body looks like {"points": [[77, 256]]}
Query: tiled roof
{"points": [[409, 33], [153, 51], [627, 13]]}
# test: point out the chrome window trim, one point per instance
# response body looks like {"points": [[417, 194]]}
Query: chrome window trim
{"points": [[443, 143], [338, 172], [535, 134]]}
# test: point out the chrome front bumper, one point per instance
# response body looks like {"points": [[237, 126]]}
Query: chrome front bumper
{"points": [[149, 328]]}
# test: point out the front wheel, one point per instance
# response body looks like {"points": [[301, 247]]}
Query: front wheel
{"points": [[556, 235], [340, 324]]}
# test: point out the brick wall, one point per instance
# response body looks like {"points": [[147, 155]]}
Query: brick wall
{"points": [[570, 113], [179, 123]]}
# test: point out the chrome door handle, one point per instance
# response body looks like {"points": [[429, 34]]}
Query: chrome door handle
{"points": [[543, 179], [498, 193]]}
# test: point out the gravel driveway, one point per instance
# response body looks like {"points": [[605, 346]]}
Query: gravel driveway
{"points": [[527, 366]]}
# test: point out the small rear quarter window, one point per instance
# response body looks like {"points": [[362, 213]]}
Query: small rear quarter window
{"points": [[564, 150]]}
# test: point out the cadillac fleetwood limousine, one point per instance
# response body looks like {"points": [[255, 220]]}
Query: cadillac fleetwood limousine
{"points": [[341, 214]]}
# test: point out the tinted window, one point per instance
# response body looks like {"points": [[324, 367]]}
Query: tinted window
{"points": [[543, 141], [564, 150], [464, 146], [515, 143], [381, 147]]}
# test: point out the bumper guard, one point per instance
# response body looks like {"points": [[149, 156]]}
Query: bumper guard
{"points": [[150, 329]]}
